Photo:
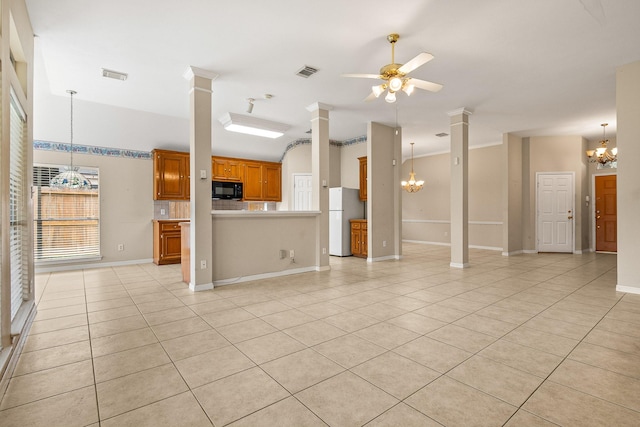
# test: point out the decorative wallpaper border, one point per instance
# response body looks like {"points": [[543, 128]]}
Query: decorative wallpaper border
{"points": [[305, 141], [88, 149]]}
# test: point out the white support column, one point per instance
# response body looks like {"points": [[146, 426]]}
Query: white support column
{"points": [[320, 179], [201, 238], [459, 188], [628, 135]]}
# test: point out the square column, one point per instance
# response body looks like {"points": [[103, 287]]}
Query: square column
{"points": [[628, 135], [320, 179], [459, 188], [201, 238]]}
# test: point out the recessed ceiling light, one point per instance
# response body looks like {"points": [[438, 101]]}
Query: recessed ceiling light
{"points": [[114, 74]]}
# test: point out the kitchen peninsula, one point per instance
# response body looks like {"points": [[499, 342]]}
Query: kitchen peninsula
{"points": [[250, 245]]}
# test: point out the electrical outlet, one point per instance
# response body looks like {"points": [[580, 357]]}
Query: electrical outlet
{"points": [[446, 233], [163, 212], [203, 264], [384, 243], [292, 253], [324, 251], [120, 247]]}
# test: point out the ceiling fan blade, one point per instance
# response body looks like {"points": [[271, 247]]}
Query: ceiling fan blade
{"points": [[363, 76], [420, 59], [425, 85], [371, 97]]}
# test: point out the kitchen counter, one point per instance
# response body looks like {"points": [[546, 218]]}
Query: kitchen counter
{"points": [[261, 214], [250, 245]]}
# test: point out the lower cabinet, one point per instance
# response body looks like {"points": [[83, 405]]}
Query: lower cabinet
{"points": [[166, 242], [359, 238]]}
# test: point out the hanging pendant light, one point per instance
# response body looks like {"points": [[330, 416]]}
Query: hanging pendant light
{"points": [[602, 155], [70, 178], [412, 186]]}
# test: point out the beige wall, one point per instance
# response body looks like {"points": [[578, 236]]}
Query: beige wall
{"points": [[126, 203], [297, 160], [567, 156], [511, 194], [426, 214], [628, 107], [343, 168], [383, 186], [258, 240], [350, 167]]}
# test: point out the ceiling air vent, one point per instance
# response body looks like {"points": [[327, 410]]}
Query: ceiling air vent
{"points": [[441, 134], [306, 71], [114, 74]]}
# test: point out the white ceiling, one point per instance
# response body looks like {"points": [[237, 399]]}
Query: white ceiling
{"points": [[543, 67]]}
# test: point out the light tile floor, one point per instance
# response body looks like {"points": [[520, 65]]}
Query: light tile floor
{"points": [[530, 340]]}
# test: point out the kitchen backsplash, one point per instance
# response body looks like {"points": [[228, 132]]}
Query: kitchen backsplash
{"points": [[166, 209]]}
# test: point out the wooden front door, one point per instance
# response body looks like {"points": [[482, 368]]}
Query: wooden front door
{"points": [[606, 214]]}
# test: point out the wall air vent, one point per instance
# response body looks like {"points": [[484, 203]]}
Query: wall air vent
{"points": [[114, 74], [306, 71], [442, 134]]}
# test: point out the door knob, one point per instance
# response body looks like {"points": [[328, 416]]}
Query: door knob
{"points": [[570, 217]]}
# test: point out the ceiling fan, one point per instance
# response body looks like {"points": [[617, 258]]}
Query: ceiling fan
{"points": [[395, 76]]}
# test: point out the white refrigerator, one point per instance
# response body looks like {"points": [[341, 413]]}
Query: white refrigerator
{"points": [[344, 204]]}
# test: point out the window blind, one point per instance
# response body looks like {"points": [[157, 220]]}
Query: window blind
{"points": [[66, 222], [18, 229]]}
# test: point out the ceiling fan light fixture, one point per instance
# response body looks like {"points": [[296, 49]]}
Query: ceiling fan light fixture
{"points": [[253, 126], [408, 89], [391, 97], [378, 90], [395, 84]]}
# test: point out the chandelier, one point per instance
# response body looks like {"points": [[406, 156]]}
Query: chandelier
{"points": [[70, 178], [412, 186], [602, 155]]}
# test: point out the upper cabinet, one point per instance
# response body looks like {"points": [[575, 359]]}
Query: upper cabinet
{"points": [[226, 169], [363, 178], [263, 181], [170, 175]]}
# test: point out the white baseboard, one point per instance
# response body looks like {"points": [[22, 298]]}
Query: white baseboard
{"points": [[201, 287], [384, 258], [261, 276], [458, 265], [628, 289], [71, 267], [520, 252], [423, 242], [323, 268]]}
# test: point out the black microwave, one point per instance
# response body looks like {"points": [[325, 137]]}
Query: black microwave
{"points": [[226, 190]]}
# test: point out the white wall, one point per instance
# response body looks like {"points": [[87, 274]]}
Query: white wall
{"points": [[126, 202]]}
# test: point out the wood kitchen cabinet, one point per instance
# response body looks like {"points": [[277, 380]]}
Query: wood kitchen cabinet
{"points": [[226, 169], [262, 181], [363, 178], [359, 238], [166, 242], [170, 175]]}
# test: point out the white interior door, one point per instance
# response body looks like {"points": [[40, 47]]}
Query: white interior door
{"points": [[302, 192], [555, 224]]}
